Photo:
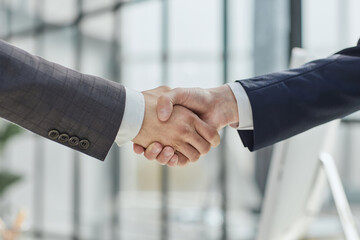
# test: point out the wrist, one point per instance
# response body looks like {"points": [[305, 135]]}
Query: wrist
{"points": [[226, 104], [149, 102], [150, 119]]}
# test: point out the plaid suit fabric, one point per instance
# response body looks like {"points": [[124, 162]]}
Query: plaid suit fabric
{"points": [[40, 96]]}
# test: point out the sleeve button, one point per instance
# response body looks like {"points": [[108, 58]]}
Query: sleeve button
{"points": [[74, 141], [53, 134], [84, 144], [63, 138]]}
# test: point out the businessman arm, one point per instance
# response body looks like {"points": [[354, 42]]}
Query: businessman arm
{"points": [[286, 103], [85, 112]]}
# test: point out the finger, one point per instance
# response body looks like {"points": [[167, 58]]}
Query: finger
{"points": [[164, 108], [166, 154], [182, 159], [138, 149], [153, 150], [168, 100], [173, 161], [198, 142], [208, 132], [189, 151]]}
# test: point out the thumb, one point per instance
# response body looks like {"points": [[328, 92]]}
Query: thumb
{"points": [[167, 101], [164, 108]]}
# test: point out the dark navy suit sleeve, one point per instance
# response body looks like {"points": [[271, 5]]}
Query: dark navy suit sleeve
{"points": [[290, 102]]}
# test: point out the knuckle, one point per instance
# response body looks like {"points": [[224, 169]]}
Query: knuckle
{"points": [[191, 117], [207, 148], [164, 88], [162, 98], [183, 162], [185, 131], [149, 156], [176, 146], [195, 156], [161, 160], [214, 136]]}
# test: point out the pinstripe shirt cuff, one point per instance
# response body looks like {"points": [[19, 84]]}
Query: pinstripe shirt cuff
{"points": [[244, 107], [133, 117]]}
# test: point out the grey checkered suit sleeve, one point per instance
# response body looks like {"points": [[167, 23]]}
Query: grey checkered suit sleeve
{"points": [[80, 111]]}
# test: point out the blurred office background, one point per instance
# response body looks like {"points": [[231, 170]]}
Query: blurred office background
{"points": [[144, 44]]}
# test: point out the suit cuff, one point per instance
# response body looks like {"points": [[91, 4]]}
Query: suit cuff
{"points": [[133, 117], [244, 107]]}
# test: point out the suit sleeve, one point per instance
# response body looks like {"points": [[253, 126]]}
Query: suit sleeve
{"points": [[287, 103], [80, 111]]}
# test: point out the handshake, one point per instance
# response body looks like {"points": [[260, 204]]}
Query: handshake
{"points": [[180, 125]]}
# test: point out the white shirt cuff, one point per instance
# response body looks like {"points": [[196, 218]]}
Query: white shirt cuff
{"points": [[133, 117], [244, 107]]}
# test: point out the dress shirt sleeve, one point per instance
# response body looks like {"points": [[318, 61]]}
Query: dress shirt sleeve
{"points": [[133, 117], [244, 107]]}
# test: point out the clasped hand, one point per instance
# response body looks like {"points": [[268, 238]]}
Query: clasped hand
{"points": [[180, 125]]}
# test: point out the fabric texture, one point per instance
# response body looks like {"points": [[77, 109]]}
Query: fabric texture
{"points": [[42, 96], [287, 103]]}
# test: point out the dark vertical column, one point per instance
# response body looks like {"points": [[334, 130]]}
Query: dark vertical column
{"points": [[295, 25], [115, 163], [223, 156], [39, 163], [271, 35], [164, 80], [271, 53], [76, 156]]}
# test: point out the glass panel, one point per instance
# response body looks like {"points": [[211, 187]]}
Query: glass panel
{"points": [[321, 34], [58, 189], [241, 15], [241, 42], [58, 47], [141, 76], [96, 51], [59, 12], [195, 27], [140, 30], [195, 72], [99, 28], [18, 15], [95, 198], [20, 195], [353, 19], [337, 28], [3, 19]]}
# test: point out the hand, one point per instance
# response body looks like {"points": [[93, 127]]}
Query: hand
{"points": [[216, 107], [184, 131]]}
